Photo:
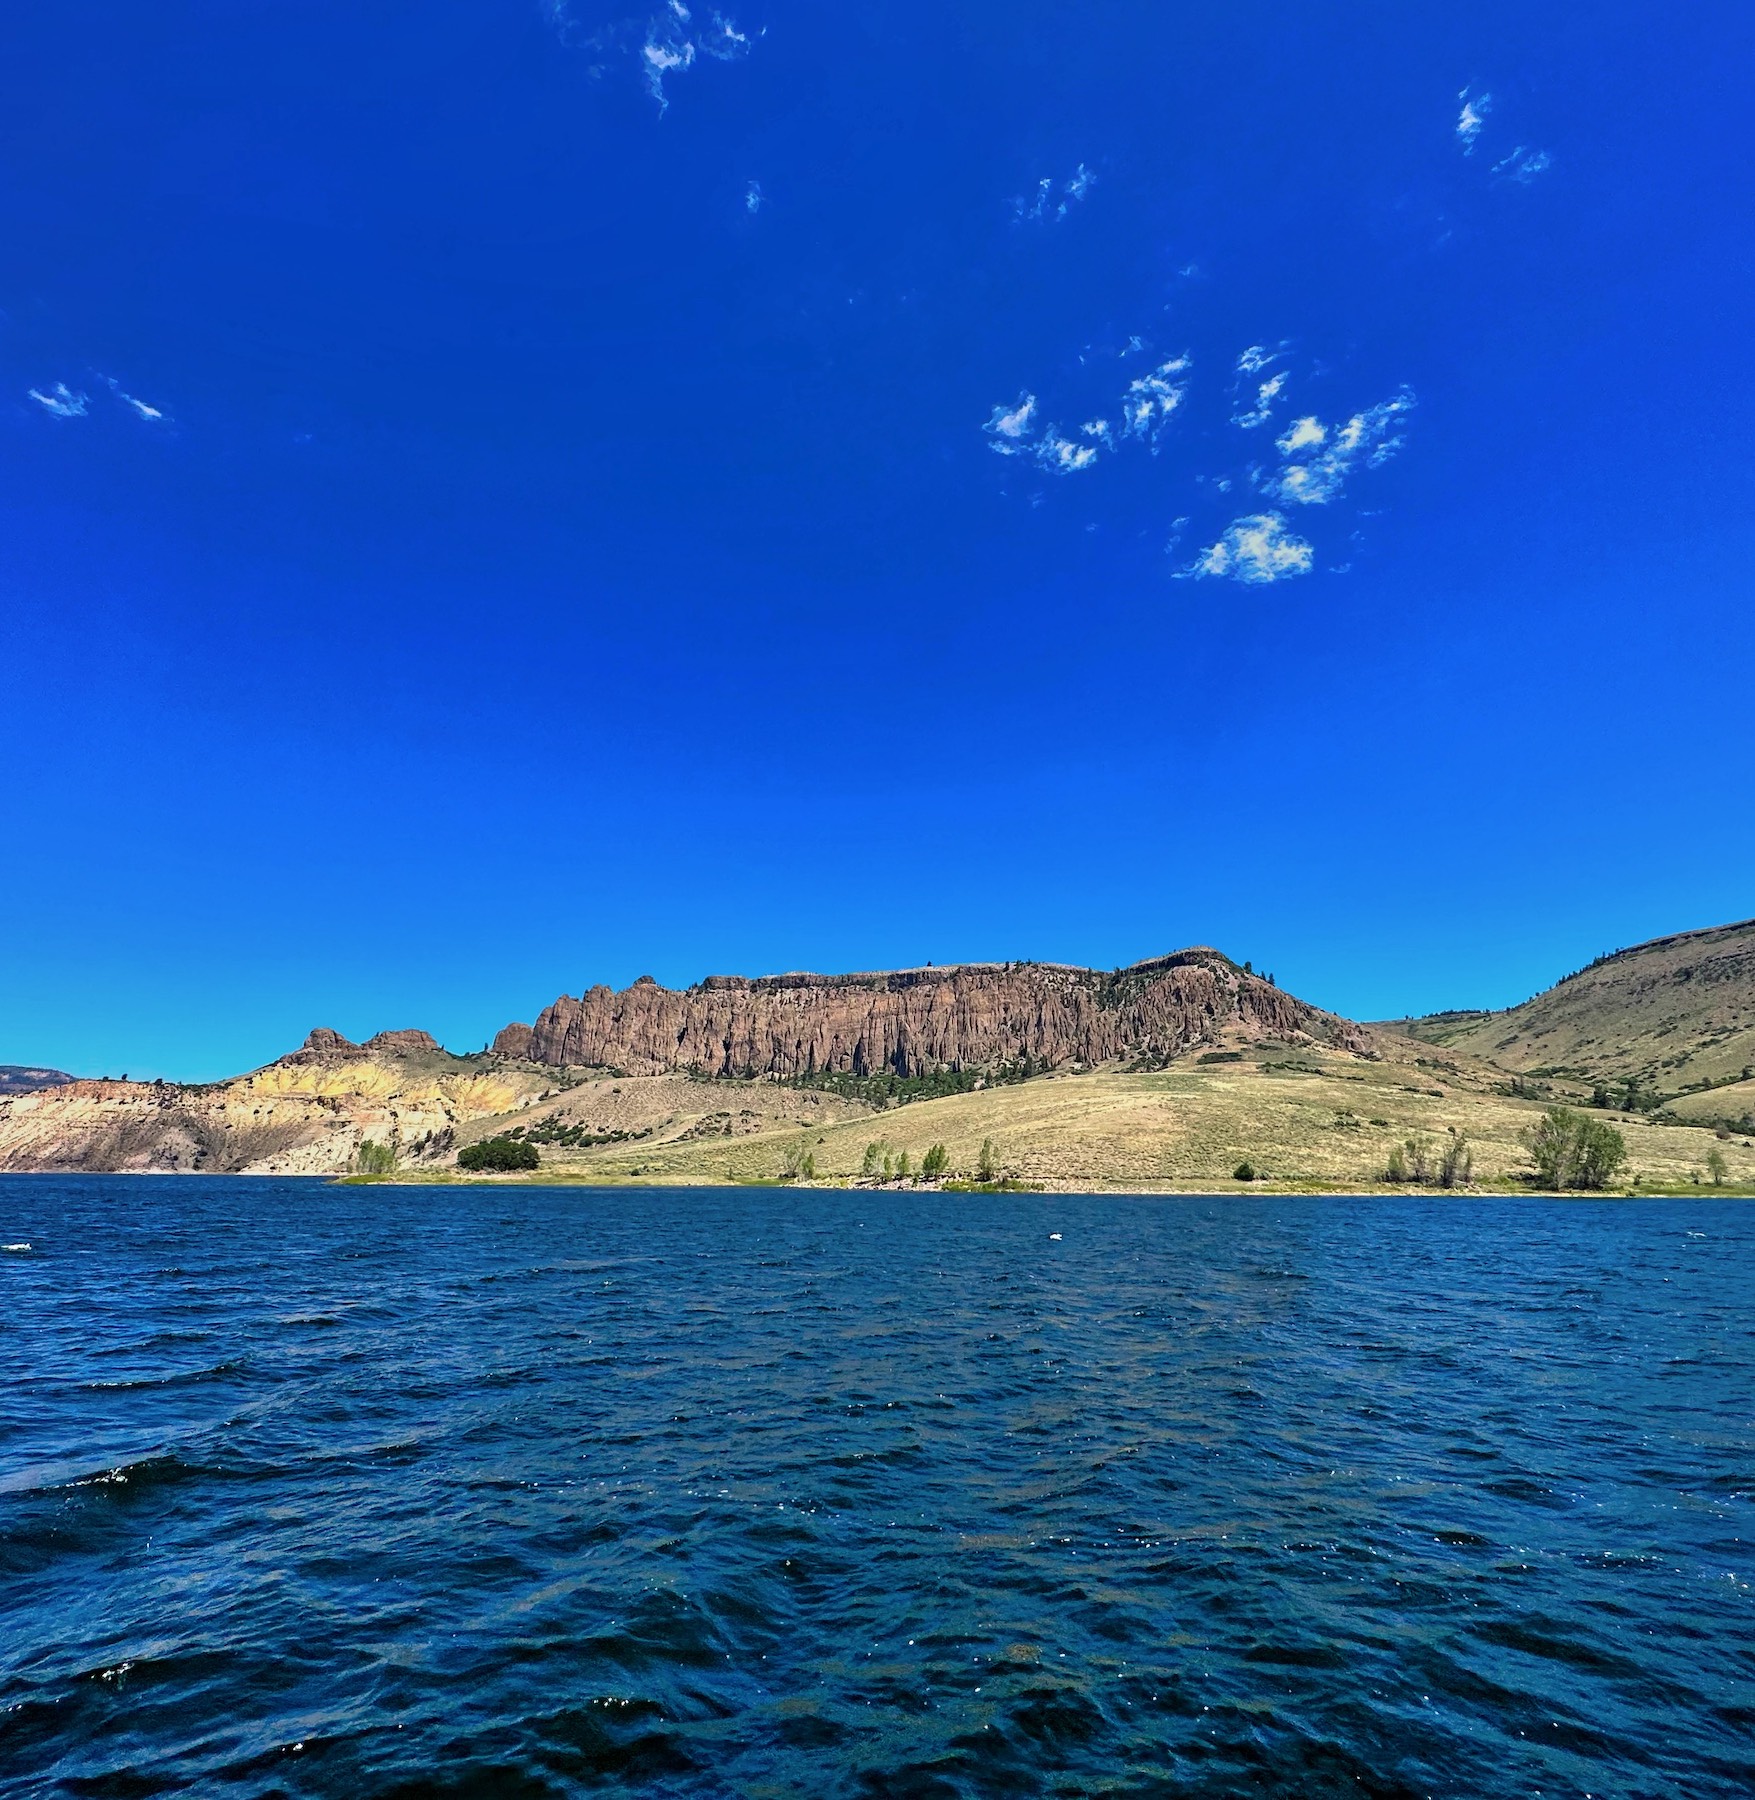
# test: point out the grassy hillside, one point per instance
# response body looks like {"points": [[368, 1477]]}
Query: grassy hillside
{"points": [[1676, 1015], [1299, 1115]]}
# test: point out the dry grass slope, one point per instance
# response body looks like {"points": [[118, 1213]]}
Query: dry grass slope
{"points": [[1678, 1014], [1304, 1117]]}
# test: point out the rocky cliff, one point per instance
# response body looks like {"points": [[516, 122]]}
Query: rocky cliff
{"points": [[915, 1021]]}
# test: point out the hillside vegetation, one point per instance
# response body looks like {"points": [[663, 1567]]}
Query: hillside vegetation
{"points": [[1303, 1116], [1676, 1017], [1220, 1071]]}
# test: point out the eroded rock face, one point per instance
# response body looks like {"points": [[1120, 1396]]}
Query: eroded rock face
{"points": [[914, 1021], [325, 1045], [403, 1041]]}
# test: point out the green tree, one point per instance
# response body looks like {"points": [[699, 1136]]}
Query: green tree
{"points": [[499, 1155], [1571, 1151], [1397, 1169], [799, 1163], [935, 1162], [373, 1158], [1245, 1171], [1716, 1166], [988, 1167], [869, 1166], [1456, 1167], [903, 1167], [1419, 1160]]}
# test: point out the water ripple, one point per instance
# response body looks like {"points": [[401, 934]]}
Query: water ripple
{"points": [[340, 1492]]}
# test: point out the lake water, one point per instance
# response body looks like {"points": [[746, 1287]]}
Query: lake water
{"points": [[511, 1491]]}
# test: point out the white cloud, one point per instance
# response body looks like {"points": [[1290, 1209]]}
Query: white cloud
{"points": [[1133, 344], [1265, 396], [1052, 199], [60, 401], [1258, 548], [1523, 165], [1063, 455], [1305, 434], [1371, 437], [661, 59], [1009, 432], [752, 197], [1257, 357], [1010, 429], [141, 410], [663, 44], [1473, 116], [1150, 400], [1037, 204]]}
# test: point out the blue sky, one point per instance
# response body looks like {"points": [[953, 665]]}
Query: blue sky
{"points": [[501, 495]]}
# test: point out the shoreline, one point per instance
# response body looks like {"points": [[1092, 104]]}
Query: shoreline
{"points": [[1102, 1189]]}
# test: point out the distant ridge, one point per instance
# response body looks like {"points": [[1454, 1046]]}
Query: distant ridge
{"points": [[912, 1022], [1676, 1016], [18, 1078]]}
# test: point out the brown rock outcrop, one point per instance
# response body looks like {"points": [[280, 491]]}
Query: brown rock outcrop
{"points": [[403, 1041], [915, 1021], [325, 1045]]}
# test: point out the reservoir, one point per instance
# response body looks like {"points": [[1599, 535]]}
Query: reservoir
{"points": [[511, 1490]]}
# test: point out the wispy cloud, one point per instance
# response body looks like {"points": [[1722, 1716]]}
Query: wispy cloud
{"points": [[1146, 409], [1052, 199], [1150, 401], [1475, 108], [666, 43], [61, 402], [1263, 409], [1258, 357], [1523, 165], [1371, 437], [1063, 455], [1258, 548], [752, 197], [1009, 427], [151, 414]]}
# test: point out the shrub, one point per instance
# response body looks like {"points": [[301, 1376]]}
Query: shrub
{"points": [[499, 1155], [1456, 1167], [1245, 1171], [374, 1158], [1571, 1151]]}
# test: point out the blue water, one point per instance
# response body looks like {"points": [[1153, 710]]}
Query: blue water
{"points": [[510, 1491]]}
